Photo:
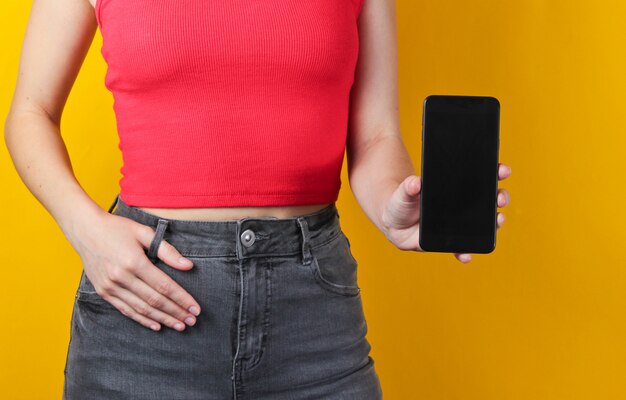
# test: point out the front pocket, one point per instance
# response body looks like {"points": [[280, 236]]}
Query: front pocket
{"points": [[92, 297], [334, 267]]}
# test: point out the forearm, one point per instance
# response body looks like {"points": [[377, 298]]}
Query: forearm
{"points": [[376, 172], [42, 162]]}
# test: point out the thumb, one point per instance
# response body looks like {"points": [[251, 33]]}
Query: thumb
{"points": [[166, 251], [410, 189], [171, 256], [403, 209]]}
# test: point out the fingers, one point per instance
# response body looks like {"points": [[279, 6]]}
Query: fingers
{"points": [[129, 312], [153, 293], [152, 304], [504, 171], [401, 211], [150, 309], [130, 282], [413, 186], [463, 257], [503, 197], [409, 189], [164, 285], [172, 257], [499, 220], [166, 252], [143, 303]]}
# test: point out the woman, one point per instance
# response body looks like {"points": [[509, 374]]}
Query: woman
{"points": [[233, 120]]}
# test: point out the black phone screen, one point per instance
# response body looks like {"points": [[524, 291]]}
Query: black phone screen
{"points": [[460, 145]]}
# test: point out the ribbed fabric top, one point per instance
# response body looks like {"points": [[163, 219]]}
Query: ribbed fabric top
{"points": [[226, 103]]}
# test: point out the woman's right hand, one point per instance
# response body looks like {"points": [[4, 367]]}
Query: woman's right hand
{"points": [[112, 251]]}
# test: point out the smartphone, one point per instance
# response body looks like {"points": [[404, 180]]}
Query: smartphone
{"points": [[458, 202]]}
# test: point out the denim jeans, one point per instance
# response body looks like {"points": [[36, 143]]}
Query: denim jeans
{"points": [[281, 318]]}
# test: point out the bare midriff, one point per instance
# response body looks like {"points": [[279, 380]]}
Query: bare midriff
{"points": [[231, 213]]}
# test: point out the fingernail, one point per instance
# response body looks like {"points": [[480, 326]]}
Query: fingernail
{"points": [[183, 260], [194, 310], [179, 326], [190, 320]]}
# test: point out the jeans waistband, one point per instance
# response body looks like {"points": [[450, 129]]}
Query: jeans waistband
{"points": [[242, 238]]}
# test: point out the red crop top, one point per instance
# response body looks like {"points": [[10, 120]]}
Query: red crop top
{"points": [[227, 103]]}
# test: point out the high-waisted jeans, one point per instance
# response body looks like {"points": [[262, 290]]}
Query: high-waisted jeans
{"points": [[281, 318]]}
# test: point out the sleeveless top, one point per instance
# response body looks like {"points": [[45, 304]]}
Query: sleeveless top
{"points": [[225, 103]]}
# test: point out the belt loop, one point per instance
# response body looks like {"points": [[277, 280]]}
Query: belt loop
{"points": [[156, 241], [114, 203], [306, 244]]}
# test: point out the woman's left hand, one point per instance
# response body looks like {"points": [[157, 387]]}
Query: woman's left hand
{"points": [[401, 214]]}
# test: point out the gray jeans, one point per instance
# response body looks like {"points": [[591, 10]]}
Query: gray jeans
{"points": [[281, 318]]}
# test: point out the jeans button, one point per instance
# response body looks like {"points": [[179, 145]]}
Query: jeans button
{"points": [[247, 237]]}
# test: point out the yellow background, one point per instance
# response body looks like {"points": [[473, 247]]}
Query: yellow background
{"points": [[540, 318]]}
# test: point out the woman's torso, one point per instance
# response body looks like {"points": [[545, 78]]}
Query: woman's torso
{"points": [[290, 147]]}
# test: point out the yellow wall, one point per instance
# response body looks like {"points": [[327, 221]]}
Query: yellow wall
{"points": [[540, 318]]}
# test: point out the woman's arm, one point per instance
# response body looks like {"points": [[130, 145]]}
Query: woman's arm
{"points": [[377, 158], [58, 36], [381, 173], [57, 39]]}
